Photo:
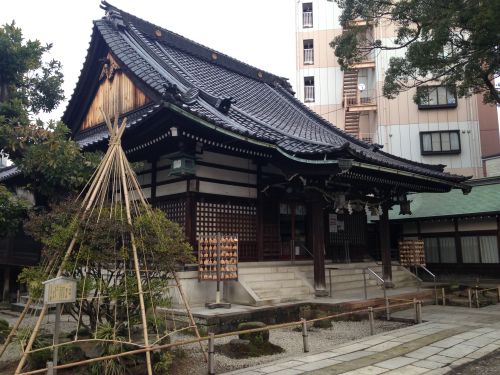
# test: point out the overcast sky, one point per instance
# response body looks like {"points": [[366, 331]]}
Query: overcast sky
{"points": [[259, 32]]}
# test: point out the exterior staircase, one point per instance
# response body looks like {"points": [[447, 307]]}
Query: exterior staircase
{"points": [[351, 123], [349, 278], [275, 282]]}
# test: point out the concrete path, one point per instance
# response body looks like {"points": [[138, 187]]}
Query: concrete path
{"points": [[451, 336]]}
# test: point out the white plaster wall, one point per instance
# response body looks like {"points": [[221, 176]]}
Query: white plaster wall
{"points": [[221, 189], [172, 188], [436, 227], [404, 140], [492, 167], [325, 15], [476, 224], [328, 84]]}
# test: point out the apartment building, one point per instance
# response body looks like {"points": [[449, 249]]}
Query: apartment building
{"points": [[456, 132]]}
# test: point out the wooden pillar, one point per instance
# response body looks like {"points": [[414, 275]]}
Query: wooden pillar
{"points": [[385, 246], [190, 219], [316, 231], [498, 235], [458, 242], [260, 217], [6, 284]]}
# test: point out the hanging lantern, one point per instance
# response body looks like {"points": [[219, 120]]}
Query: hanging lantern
{"points": [[404, 205], [182, 165]]}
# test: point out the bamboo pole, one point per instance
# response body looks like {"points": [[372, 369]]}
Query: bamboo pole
{"points": [[190, 314], [136, 266]]}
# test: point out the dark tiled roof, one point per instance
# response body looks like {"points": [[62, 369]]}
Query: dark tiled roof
{"points": [[9, 172], [199, 79]]}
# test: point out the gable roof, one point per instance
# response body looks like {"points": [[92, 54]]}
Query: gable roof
{"points": [[228, 93]]}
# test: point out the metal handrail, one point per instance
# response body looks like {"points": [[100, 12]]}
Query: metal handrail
{"points": [[382, 281], [433, 277], [419, 280]]}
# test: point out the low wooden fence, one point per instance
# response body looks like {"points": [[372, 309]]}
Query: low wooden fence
{"points": [[370, 311]]}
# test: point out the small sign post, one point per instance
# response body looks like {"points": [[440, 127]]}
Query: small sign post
{"points": [[56, 292]]}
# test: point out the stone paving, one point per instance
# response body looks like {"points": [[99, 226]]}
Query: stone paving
{"points": [[449, 337]]}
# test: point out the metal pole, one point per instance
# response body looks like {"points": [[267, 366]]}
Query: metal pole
{"points": [[477, 299], [364, 283], [444, 296], [50, 368], [435, 291], [211, 354], [371, 320], [217, 295], [419, 312], [305, 336], [387, 306], [469, 294], [330, 280], [415, 309], [57, 327], [418, 281]]}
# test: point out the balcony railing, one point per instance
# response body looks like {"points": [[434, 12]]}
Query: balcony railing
{"points": [[307, 19], [309, 94], [308, 56], [362, 98]]}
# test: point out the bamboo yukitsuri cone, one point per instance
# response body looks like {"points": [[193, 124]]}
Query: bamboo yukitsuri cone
{"points": [[115, 184]]}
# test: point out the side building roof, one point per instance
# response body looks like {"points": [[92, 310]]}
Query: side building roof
{"points": [[179, 73], [483, 199]]}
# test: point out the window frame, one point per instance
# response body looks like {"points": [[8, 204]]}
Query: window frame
{"points": [[439, 105], [304, 11], [440, 152], [314, 89], [311, 62]]}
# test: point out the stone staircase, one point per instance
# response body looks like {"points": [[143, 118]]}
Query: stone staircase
{"points": [[274, 283], [349, 277], [277, 282]]}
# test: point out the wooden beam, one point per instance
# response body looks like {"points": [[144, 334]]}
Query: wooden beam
{"points": [[385, 246]]}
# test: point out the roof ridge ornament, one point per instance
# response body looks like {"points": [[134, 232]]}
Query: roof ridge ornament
{"points": [[224, 104]]}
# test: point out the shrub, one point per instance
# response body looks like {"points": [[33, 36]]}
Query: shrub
{"points": [[255, 338]]}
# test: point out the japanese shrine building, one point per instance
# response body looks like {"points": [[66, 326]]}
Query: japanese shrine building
{"points": [[226, 147]]}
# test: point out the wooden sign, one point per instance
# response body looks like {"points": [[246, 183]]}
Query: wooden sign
{"points": [[411, 253], [218, 258], [59, 290]]}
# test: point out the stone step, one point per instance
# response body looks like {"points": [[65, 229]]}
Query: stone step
{"points": [[267, 276], [283, 292], [277, 284]]}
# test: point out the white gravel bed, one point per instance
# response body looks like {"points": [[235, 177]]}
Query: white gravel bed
{"points": [[192, 362]]}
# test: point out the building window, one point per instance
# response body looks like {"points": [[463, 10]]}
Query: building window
{"points": [[479, 249], [440, 142], [307, 15], [308, 51], [440, 250], [309, 89], [433, 97]]}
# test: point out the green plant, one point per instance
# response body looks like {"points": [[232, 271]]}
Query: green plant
{"points": [[323, 323], [4, 330], [255, 338], [163, 363]]}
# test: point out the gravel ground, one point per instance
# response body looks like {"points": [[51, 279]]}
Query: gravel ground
{"points": [[189, 360], [192, 362], [487, 365]]}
